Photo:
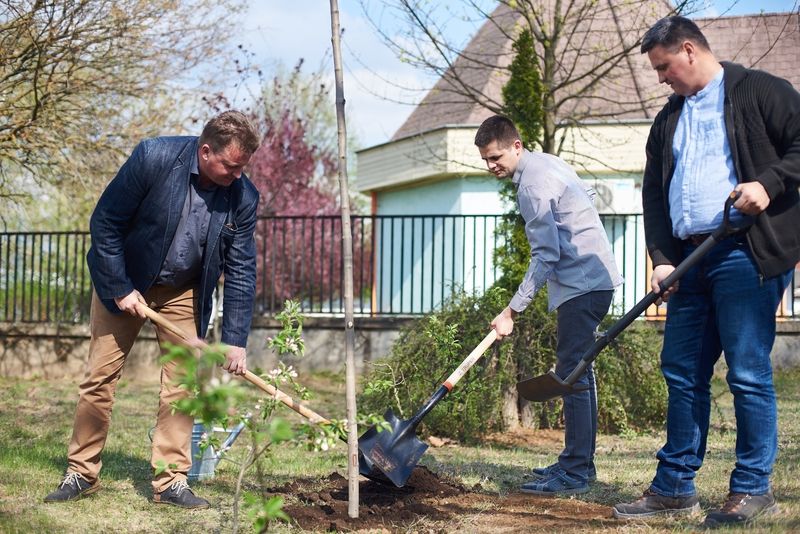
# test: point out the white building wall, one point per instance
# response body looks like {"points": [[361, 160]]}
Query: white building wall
{"points": [[430, 255]]}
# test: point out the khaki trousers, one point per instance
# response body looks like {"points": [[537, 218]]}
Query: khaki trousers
{"points": [[112, 336]]}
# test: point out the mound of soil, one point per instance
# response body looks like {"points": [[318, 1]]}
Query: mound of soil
{"points": [[322, 505]]}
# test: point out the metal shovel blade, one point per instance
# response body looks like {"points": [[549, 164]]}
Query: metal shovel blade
{"points": [[393, 452], [546, 387], [368, 470]]}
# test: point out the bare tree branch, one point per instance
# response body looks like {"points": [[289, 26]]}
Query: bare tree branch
{"points": [[80, 80]]}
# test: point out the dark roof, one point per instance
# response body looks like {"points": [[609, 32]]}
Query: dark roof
{"points": [[767, 41]]}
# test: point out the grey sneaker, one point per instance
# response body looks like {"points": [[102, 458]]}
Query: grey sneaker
{"points": [[72, 487], [181, 495], [545, 472], [651, 503], [741, 508], [558, 483]]}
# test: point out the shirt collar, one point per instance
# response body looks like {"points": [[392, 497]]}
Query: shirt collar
{"points": [[710, 87], [523, 160]]}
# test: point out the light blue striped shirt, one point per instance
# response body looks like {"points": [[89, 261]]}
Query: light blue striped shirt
{"points": [[570, 251], [704, 174]]}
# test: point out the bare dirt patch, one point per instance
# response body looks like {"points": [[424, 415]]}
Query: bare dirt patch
{"points": [[528, 438], [429, 503]]}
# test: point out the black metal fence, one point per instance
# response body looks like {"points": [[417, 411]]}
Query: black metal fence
{"points": [[403, 265], [43, 277]]}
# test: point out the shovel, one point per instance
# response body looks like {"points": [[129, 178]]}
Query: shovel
{"points": [[254, 379], [549, 386], [365, 467], [395, 451]]}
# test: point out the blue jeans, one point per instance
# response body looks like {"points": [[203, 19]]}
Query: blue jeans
{"points": [[577, 321], [722, 305]]}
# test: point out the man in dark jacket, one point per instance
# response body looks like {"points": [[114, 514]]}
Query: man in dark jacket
{"points": [[726, 128], [178, 214]]}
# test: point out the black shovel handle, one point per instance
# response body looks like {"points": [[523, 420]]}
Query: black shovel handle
{"points": [[724, 230]]}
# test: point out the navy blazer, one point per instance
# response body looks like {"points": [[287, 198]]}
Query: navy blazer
{"points": [[137, 216]]}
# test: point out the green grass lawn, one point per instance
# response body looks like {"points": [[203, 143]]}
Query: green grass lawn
{"points": [[35, 425]]}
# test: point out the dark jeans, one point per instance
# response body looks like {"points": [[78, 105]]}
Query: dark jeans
{"points": [[577, 321], [722, 304]]}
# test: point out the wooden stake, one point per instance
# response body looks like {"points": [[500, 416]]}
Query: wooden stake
{"points": [[347, 260]]}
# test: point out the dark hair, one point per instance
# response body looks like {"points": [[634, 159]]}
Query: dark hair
{"points": [[230, 127], [496, 128], [670, 32]]}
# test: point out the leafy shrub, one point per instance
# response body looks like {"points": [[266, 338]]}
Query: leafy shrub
{"points": [[426, 353], [631, 392]]}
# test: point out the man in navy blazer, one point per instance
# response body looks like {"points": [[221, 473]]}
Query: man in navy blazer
{"points": [[178, 215]]}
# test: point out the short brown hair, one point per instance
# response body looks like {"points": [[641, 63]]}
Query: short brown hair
{"points": [[230, 127], [496, 128]]}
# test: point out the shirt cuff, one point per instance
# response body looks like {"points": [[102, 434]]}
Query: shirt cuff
{"points": [[519, 303]]}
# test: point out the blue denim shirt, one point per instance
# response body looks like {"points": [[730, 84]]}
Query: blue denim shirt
{"points": [[704, 173], [569, 247]]}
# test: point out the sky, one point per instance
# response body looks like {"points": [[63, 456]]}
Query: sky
{"points": [[281, 33]]}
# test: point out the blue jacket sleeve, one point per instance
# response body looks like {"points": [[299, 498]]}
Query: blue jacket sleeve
{"points": [[110, 222], [240, 277]]}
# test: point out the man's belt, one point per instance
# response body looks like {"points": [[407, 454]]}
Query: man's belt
{"points": [[697, 239]]}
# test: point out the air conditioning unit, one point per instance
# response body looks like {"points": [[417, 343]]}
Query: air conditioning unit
{"points": [[620, 196]]}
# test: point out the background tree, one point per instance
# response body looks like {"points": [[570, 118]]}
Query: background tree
{"points": [[295, 169], [296, 172], [82, 81], [522, 97], [585, 51], [522, 93], [522, 103]]}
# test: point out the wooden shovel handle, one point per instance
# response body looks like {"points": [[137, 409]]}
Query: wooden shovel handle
{"points": [[254, 379], [470, 360]]}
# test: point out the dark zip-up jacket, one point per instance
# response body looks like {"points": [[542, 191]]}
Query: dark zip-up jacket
{"points": [[135, 222], [762, 120]]}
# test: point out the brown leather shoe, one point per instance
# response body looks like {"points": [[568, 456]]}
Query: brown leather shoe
{"points": [[652, 503], [741, 508]]}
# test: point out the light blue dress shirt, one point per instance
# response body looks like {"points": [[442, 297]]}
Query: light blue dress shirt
{"points": [[570, 251], [704, 174]]}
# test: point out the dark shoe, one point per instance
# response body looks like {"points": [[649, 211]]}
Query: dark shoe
{"points": [[180, 494], [651, 503], [741, 508], [558, 483], [544, 472], [73, 487]]}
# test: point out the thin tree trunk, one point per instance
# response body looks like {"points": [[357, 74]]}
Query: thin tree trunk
{"points": [[347, 260], [509, 411]]}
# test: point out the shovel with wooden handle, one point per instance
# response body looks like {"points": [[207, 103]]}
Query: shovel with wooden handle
{"points": [[395, 451], [365, 467], [254, 379], [550, 386]]}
